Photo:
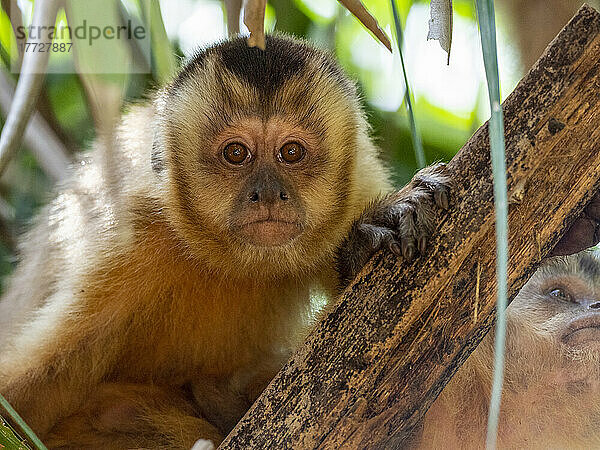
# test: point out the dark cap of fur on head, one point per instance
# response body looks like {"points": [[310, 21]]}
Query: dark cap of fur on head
{"points": [[266, 70]]}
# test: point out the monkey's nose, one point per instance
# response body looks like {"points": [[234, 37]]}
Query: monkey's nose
{"points": [[589, 303], [268, 197]]}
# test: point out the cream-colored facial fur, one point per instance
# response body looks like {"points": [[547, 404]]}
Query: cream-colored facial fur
{"points": [[552, 375]]}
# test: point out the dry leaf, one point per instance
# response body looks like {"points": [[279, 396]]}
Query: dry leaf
{"points": [[360, 12], [254, 19], [233, 8], [440, 24]]}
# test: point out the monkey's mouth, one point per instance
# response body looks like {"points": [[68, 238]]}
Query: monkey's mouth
{"points": [[583, 330], [270, 232]]}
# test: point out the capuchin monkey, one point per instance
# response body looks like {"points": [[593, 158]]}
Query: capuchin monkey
{"points": [[168, 281], [552, 376]]}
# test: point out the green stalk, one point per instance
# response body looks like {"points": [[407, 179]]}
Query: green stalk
{"points": [[416, 137], [487, 30], [31, 436], [165, 64]]}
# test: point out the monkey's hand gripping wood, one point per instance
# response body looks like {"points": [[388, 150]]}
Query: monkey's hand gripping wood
{"points": [[372, 367]]}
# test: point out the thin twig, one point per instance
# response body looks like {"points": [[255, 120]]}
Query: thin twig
{"points": [[29, 85], [39, 137], [233, 8], [11, 8], [254, 19]]}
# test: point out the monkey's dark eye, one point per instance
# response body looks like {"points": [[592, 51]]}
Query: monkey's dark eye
{"points": [[292, 152], [560, 294], [235, 153]]}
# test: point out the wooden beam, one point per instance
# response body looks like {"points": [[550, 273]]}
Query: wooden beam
{"points": [[371, 368]]}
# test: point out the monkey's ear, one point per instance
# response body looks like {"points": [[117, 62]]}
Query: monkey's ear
{"points": [[157, 158]]}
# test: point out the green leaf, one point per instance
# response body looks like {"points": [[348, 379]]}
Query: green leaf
{"points": [[21, 423], [322, 12], [8, 42], [9, 438], [164, 62], [104, 64], [416, 137]]}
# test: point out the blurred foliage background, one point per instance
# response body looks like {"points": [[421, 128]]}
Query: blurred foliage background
{"points": [[450, 100]]}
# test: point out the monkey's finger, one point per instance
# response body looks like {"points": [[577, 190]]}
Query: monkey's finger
{"points": [[423, 224], [376, 236], [408, 248], [441, 197], [406, 232], [437, 186], [395, 248], [422, 244]]}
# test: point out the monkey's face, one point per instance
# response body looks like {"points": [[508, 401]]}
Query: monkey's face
{"points": [[260, 148], [562, 301], [264, 168], [554, 322]]}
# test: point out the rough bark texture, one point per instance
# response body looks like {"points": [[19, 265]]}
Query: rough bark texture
{"points": [[372, 367]]}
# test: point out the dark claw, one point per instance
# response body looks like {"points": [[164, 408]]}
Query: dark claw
{"points": [[395, 248], [441, 198], [422, 245], [408, 250]]}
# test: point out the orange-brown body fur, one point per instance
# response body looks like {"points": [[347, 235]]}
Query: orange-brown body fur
{"points": [[550, 395], [129, 275]]}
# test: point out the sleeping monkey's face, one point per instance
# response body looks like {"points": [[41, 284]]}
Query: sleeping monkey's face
{"points": [[562, 302], [261, 147], [554, 323], [553, 329]]}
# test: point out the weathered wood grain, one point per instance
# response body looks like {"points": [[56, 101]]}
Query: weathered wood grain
{"points": [[373, 366]]}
